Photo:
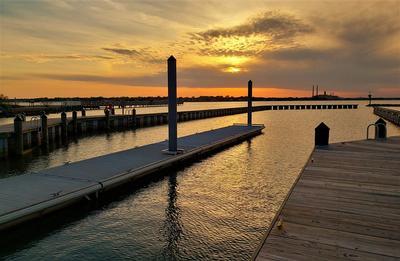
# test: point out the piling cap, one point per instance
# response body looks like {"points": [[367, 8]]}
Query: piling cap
{"points": [[171, 58], [43, 115], [250, 81], [381, 121], [322, 126]]}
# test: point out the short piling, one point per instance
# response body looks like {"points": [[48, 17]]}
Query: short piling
{"points": [[380, 129], [321, 135], [74, 122], [64, 126], [44, 129], [19, 135], [107, 119]]}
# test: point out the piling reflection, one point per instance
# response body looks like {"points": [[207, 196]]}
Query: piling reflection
{"points": [[173, 228]]}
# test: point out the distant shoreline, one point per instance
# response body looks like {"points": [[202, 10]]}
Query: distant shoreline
{"points": [[195, 99]]}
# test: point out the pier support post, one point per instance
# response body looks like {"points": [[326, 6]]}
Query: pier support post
{"points": [[83, 113], [19, 135], [249, 102], [64, 126], [133, 117], [380, 129], [74, 122], [172, 123], [45, 130], [321, 135], [107, 113]]}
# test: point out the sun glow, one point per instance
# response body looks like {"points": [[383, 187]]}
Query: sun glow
{"points": [[232, 69]]}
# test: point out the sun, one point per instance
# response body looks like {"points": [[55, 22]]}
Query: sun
{"points": [[232, 69]]}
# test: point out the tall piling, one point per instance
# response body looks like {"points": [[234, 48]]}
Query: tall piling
{"points": [[172, 122], [249, 102], [19, 135]]}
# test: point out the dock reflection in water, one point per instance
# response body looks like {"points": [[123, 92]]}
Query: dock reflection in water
{"points": [[173, 228]]}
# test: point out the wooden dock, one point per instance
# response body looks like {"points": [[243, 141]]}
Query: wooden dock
{"points": [[28, 196], [388, 114], [33, 135], [344, 205]]}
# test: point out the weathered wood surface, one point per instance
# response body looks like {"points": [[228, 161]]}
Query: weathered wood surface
{"points": [[27, 196], [344, 205]]}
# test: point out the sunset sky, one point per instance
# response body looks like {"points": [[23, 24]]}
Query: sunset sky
{"points": [[119, 48]]}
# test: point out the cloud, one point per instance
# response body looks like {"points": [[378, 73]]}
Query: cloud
{"points": [[122, 51], [272, 23], [266, 31], [41, 58], [142, 55], [150, 80]]}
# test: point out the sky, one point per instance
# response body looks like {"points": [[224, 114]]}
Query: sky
{"points": [[64, 48]]}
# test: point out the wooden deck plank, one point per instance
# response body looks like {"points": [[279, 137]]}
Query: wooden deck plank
{"points": [[344, 205]]}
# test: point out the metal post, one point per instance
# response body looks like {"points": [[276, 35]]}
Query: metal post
{"points": [[249, 102], [45, 131], [172, 125], [19, 135]]}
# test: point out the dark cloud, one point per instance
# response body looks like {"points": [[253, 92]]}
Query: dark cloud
{"points": [[75, 57], [142, 54], [122, 51], [151, 80], [274, 24]]}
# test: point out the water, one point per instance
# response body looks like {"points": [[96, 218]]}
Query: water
{"points": [[216, 208]]}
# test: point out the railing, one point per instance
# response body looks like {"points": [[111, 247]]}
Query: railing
{"points": [[388, 114]]}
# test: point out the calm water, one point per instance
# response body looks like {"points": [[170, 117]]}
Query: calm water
{"points": [[216, 208]]}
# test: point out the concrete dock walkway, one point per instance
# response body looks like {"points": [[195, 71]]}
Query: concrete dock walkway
{"points": [[344, 205], [28, 196]]}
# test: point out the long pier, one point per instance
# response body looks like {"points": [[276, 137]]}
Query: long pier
{"points": [[388, 114], [33, 134], [344, 205], [33, 195]]}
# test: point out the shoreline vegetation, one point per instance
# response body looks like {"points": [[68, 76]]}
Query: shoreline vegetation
{"points": [[189, 99]]}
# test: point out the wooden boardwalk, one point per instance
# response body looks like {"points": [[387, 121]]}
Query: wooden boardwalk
{"points": [[344, 205], [28, 196]]}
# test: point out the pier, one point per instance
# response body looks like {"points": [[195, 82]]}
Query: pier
{"points": [[32, 131], [388, 114], [344, 205]]}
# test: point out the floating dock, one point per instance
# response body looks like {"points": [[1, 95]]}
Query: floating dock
{"points": [[344, 205], [29, 196]]}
